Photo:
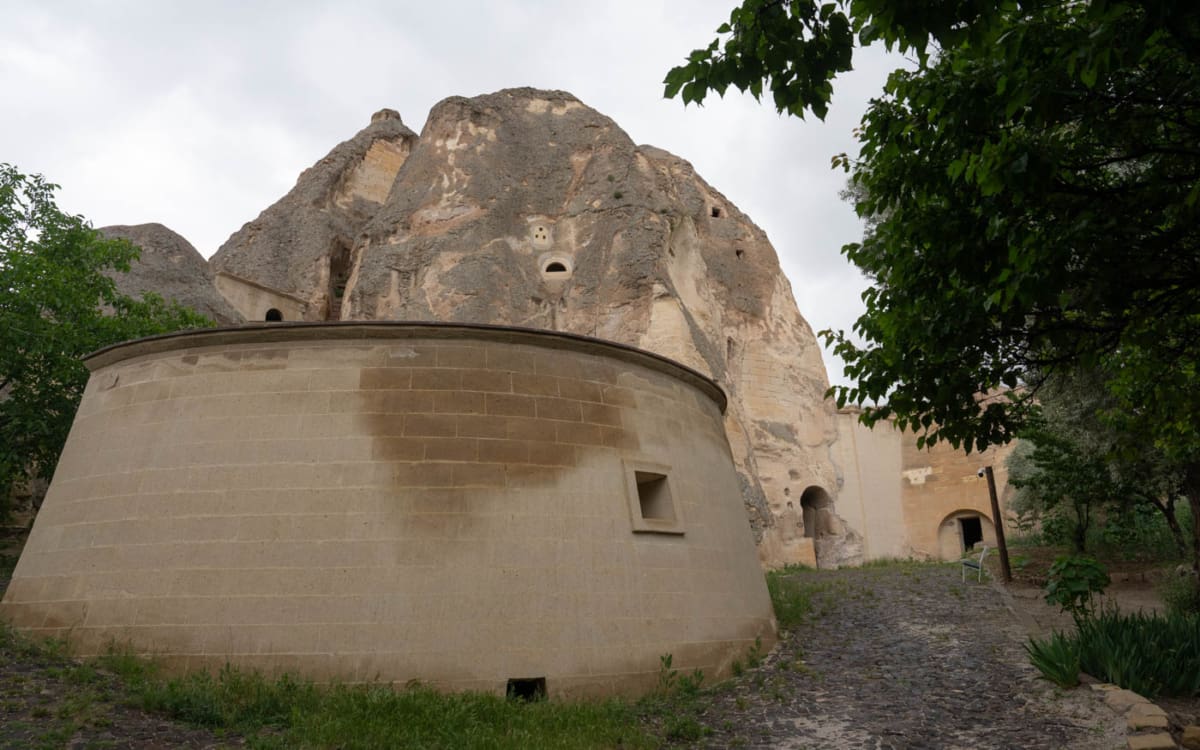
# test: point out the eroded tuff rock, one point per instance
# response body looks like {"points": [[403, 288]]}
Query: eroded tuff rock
{"points": [[301, 244], [526, 207], [170, 267]]}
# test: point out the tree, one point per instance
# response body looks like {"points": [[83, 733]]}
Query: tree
{"points": [[57, 305], [1073, 462], [1036, 186]]}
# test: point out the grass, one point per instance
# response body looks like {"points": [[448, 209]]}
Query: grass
{"points": [[286, 712], [272, 713], [895, 562], [7, 564], [791, 597], [55, 717]]}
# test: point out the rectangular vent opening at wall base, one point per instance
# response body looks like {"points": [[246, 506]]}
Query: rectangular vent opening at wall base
{"points": [[654, 495], [526, 689]]}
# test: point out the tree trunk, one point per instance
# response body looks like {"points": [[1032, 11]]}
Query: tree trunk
{"points": [[1167, 508], [1191, 488], [1083, 520]]}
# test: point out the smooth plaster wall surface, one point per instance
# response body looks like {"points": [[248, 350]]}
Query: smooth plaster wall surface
{"points": [[869, 499], [379, 501], [941, 483]]}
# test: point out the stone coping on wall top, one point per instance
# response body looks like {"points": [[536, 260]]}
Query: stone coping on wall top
{"points": [[374, 330]]}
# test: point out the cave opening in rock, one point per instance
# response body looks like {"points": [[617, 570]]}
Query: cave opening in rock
{"points": [[813, 503]]}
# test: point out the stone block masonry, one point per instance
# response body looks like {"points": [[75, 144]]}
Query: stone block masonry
{"points": [[365, 501]]}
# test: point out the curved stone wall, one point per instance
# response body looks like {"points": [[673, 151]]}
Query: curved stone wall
{"points": [[464, 505]]}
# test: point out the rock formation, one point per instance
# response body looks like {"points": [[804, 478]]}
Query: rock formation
{"points": [[301, 244], [528, 208], [170, 267]]}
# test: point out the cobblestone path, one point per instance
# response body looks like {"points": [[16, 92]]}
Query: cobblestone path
{"points": [[905, 656]]}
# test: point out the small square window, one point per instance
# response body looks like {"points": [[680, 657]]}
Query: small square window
{"points": [[654, 495], [652, 506]]}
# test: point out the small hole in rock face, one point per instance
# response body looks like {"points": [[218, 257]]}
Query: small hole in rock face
{"points": [[716, 212], [739, 253], [527, 689], [556, 267], [273, 316]]}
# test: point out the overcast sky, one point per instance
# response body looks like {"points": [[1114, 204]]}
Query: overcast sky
{"points": [[199, 115]]}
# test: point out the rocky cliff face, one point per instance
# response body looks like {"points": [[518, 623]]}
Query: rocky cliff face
{"points": [[301, 244], [528, 208], [170, 267]]}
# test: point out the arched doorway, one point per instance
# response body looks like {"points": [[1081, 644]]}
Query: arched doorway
{"points": [[815, 504], [273, 316], [963, 530]]}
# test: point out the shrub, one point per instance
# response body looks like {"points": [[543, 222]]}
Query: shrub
{"points": [[1151, 655], [1057, 658], [1181, 594], [1073, 582], [1139, 532]]}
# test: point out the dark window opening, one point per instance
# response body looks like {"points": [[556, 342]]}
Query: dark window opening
{"points": [[739, 253], [556, 267], [527, 689], [273, 316], [339, 276], [972, 531], [716, 212], [654, 495]]}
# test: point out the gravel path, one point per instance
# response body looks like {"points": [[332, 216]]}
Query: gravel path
{"points": [[906, 656]]}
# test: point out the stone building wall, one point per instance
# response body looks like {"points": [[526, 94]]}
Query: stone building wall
{"points": [[526, 207], [908, 502], [460, 505]]}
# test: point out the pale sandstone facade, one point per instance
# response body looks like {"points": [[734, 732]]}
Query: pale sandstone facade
{"points": [[910, 502], [460, 505]]}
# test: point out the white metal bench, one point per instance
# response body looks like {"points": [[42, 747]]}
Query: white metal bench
{"points": [[976, 565]]}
